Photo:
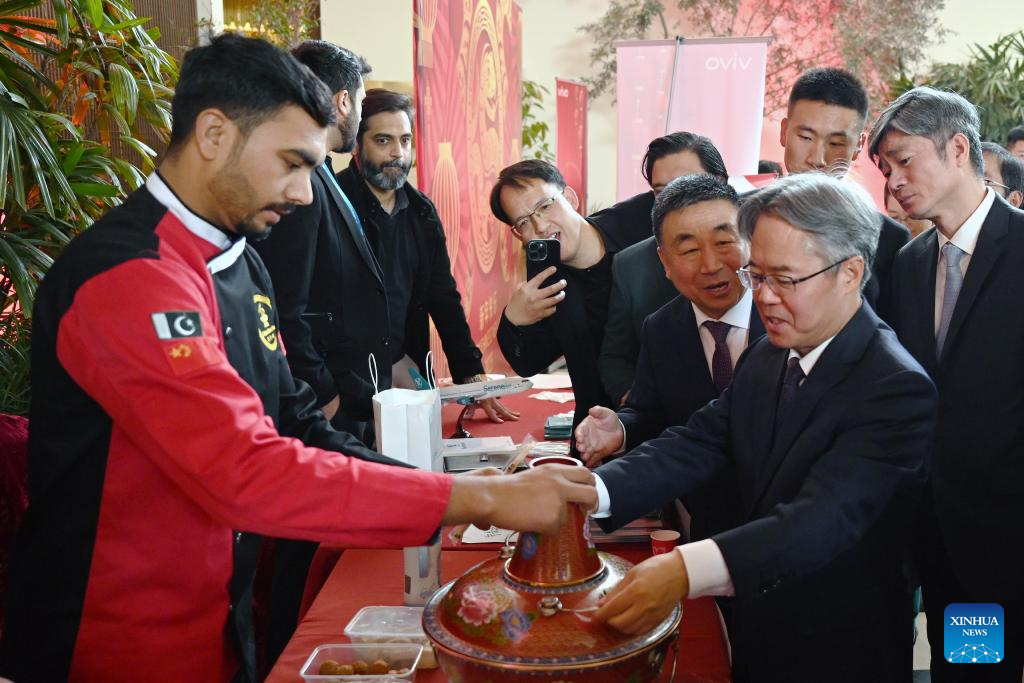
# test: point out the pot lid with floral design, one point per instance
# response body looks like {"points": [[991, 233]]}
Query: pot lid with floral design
{"points": [[535, 608]]}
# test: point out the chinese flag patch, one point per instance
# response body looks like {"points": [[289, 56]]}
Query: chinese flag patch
{"points": [[188, 355]]}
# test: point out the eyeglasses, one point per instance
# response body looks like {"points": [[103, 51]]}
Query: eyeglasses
{"points": [[992, 183], [780, 284], [539, 211]]}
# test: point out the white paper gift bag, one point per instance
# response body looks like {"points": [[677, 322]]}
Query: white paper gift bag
{"points": [[408, 423]]}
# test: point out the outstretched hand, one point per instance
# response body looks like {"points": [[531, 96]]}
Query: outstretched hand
{"points": [[532, 500], [646, 595], [495, 410], [599, 435]]}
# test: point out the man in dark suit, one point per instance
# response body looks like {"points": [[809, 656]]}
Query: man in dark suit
{"points": [[638, 289], [318, 253], [338, 299], [824, 131], [826, 423], [957, 309], [690, 346], [566, 318]]}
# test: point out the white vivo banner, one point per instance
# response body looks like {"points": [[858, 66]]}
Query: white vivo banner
{"points": [[710, 86]]}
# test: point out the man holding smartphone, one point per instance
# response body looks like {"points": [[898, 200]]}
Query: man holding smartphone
{"points": [[566, 318]]}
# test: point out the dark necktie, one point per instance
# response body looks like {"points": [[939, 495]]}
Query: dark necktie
{"points": [[790, 383], [721, 361]]}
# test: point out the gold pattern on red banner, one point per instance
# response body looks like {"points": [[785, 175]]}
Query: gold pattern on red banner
{"points": [[468, 127]]}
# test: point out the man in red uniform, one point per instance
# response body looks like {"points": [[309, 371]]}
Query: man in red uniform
{"points": [[148, 446]]}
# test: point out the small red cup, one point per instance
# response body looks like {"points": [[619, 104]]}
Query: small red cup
{"points": [[663, 541]]}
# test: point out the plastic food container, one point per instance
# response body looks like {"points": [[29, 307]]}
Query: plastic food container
{"points": [[389, 624], [401, 657]]}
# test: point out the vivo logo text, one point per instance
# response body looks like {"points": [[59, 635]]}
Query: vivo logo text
{"points": [[727, 64]]}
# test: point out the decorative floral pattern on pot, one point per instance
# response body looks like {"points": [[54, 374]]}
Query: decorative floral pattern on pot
{"points": [[491, 611]]}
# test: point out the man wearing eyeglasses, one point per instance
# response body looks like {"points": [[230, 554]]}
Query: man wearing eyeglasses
{"points": [[825, 426], [566, 318], [1004, 173], [957, 309]]}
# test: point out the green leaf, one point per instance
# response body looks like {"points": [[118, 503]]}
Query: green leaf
{"points": [[94, 189], [61, 13], [12, 6], [94, 8], [124, 25], [15, 266], [145, 151], [72, 157], [125, 90]]}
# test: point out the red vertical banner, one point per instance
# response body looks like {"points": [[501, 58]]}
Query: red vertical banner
{"points": [[571, 122], [468, 128]]}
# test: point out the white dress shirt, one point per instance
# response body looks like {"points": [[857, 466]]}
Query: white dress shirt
{"points": [[966, 239], [705, 565], [739, 318]]}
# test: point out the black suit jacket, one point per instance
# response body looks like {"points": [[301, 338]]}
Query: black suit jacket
{"points": [[626, 222], [333, 304], [878, 290], [977, 478], [639, 288], [331, 301], [672, 380], [824, 501], [672, 383]]}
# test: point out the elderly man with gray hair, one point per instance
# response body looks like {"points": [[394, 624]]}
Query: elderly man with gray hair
{"points": [[825, 428], [957, 309]]}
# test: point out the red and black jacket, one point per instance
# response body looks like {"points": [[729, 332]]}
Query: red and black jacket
{"points": [[148, 448]]}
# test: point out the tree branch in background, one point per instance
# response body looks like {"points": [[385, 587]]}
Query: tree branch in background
{"points": [[623, 20], [875, 39]]}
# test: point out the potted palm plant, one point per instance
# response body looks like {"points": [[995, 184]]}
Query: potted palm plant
{"points": [[83, 87]]}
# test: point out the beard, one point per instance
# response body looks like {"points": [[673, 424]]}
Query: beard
{"points": [[232, 189], [348, 127], [388, 176]]}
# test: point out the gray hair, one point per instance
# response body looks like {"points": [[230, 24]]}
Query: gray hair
{"points": [[686, 191], [837, 216], [934, 114]]}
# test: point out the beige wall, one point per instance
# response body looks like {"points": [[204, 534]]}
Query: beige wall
{"points": [[970, 21], [552, 48], [380, 30]]}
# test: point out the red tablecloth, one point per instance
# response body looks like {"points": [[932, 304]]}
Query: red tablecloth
{"points": [[375, 577], [533, 412]]}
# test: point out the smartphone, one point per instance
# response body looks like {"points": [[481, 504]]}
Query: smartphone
{"points": [[541, 254]]}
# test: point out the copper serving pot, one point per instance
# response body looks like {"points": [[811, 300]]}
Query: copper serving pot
{"points": [[526, 615]]}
